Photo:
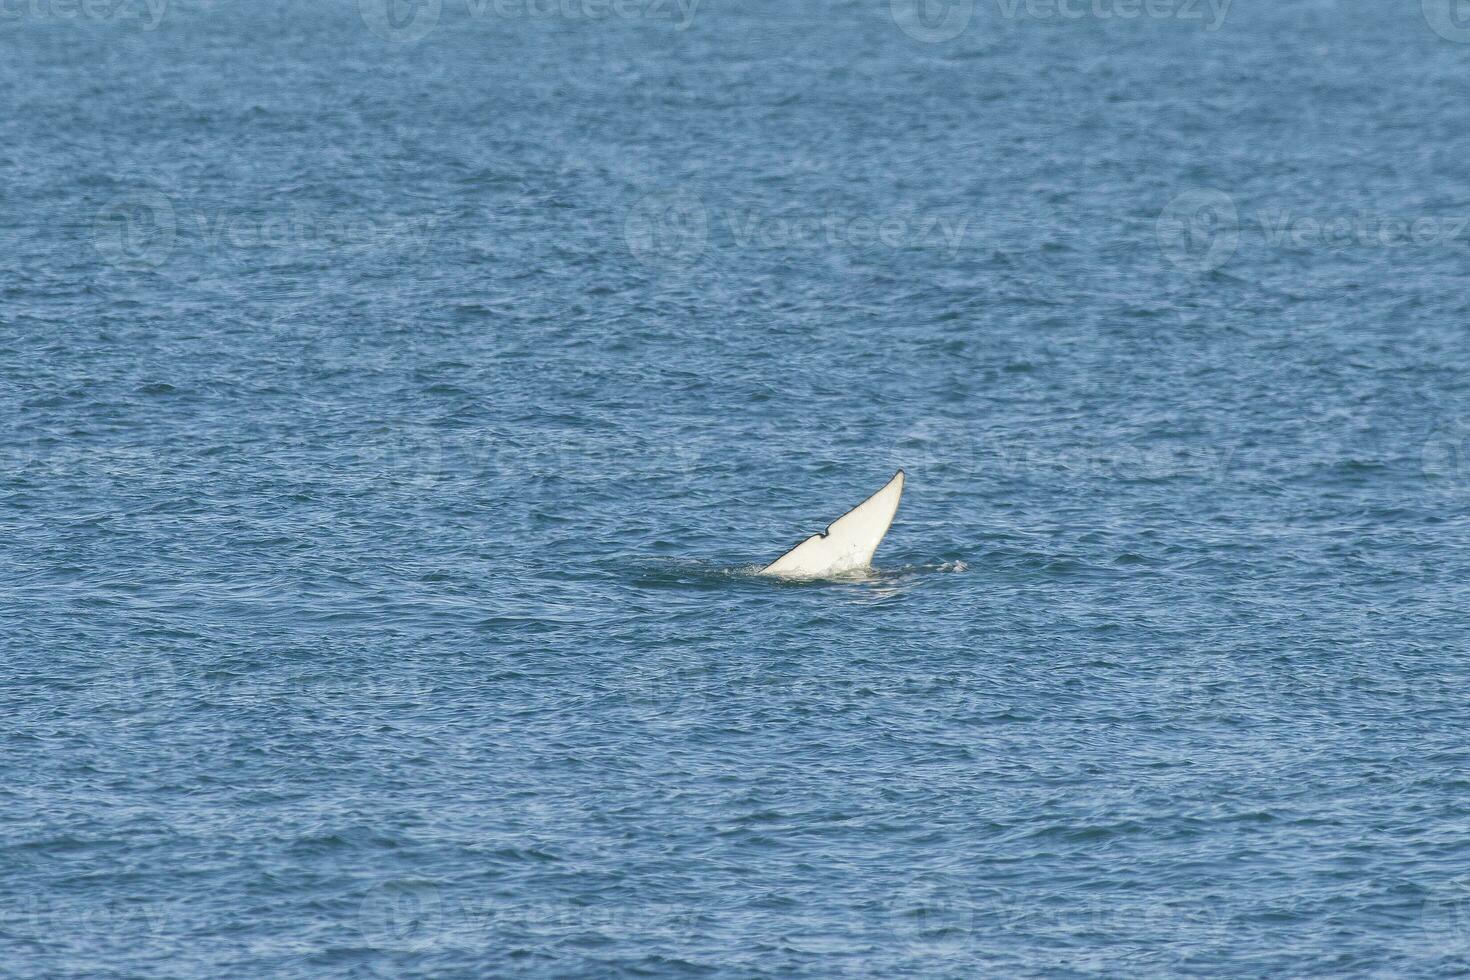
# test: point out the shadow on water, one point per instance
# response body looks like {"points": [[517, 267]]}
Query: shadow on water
{"points": [[707, 575]]}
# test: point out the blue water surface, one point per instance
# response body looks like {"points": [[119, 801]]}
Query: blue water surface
{"points": [[398, 399]]}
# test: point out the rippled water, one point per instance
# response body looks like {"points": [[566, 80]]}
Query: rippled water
{"points": [[399, 401]]}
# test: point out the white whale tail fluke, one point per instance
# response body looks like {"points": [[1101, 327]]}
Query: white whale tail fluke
{"points": [[848, 543]]}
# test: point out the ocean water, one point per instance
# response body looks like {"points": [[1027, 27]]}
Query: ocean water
{"points": [[397, 401]]}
